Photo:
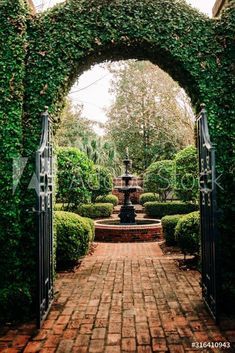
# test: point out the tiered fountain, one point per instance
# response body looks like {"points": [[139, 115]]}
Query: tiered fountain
{"points": [[127, 228], [127, 214]]}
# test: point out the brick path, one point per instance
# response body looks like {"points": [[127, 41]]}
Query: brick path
{"points": [[126, 298]]}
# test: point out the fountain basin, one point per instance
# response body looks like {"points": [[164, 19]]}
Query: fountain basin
{"points": [[110, 230]]}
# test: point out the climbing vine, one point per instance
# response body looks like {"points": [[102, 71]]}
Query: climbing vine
{"points": [[43, 56]]}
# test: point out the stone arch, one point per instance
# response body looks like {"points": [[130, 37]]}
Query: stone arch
{"points": [[76, 34]]}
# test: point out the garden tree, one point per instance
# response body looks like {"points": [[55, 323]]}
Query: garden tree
{"points": [[151, 113], [76, 177], [186, 170], [103, 153], [159, 178], [74, 130], [105, 182]]}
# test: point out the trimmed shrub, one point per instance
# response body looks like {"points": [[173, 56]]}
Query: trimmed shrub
{"points": [[186, 167], [161, 209], [108, 199], [148, 197], [92, 228], [187, 233], [75, 176], [104, 182], [159, 178], [96, 210], [168, 226], [73, 234]]}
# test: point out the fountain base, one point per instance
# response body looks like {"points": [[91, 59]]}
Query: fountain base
{"points": [[127, 215], [110, 230]]}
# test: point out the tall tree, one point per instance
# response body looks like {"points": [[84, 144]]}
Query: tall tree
{"points": [[74, 130], [151, 113], [77, 131]]}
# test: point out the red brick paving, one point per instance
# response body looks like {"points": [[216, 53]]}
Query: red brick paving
{"points": [[126, 298]]}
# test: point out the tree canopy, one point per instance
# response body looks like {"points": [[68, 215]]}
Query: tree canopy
{"points": [[151, 113]]}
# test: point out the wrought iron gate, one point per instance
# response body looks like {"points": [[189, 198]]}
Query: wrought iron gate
{"points": [[208, 211], [44, 172]]}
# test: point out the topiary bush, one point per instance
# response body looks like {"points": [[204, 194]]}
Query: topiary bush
{"points": [[161, 209], [186, 168], [168, 226], [108, 199], [104, 182], [96, 210], [187, 233], [75, 176], [62, 207], [159, 178], [73, 234], [92, 228], [148, 197]]}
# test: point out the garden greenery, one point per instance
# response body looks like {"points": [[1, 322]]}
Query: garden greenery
{"points": [[168, 226], [75, 177], [147, 197], [187, 233], [186, 171], [159, 178], [107, 199], [74, 235], [42, 56], [157, 209], [104, 182], [96, 210]]}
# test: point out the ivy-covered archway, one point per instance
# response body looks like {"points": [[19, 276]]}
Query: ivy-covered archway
{"points": [[55, 47]]}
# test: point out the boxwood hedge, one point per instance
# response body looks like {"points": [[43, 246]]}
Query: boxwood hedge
{"points": [[169, 224], [187, 233], [107, 199], [96, 210], [74, 235], [160, 209], [148, 197]]}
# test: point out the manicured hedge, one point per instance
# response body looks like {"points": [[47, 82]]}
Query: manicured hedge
{"points": [[186, 168], [148, 197], [92, 228], [187, 233], [74, 234], [108, 199], [169, 224], [161, 209], [75, 176], [96, 210], [61, 207]]}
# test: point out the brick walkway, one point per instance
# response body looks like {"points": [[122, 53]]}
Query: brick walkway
{"points": [[126, 298]]}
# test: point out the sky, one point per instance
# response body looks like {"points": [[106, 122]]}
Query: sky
{"points": [[96, 97]]}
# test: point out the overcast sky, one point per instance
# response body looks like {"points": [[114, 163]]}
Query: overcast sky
{"points": [[96, 97], [203, 5]]}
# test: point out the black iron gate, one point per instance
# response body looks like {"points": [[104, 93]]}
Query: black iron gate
{"points": [[208, 211], [44, 171]]}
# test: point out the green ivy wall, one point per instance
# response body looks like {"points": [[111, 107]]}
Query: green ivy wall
{"points": [[44, 55]]}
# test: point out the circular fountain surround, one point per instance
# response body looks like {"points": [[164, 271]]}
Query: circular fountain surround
{"points": [[111, 230]]}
